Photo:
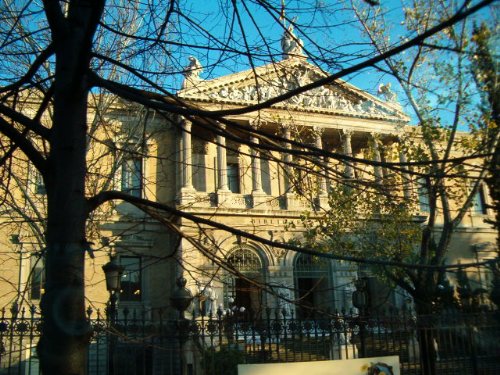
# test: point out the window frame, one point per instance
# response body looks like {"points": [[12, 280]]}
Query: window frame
{"points": [[233, 177], [478, 204], [423, 196], [36, 278], [132, 176]]}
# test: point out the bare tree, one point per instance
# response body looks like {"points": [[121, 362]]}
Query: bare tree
{"points": [[441, 79], [69, 51]]}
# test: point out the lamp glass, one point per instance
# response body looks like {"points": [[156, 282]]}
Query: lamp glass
{"points": [[113, 273]]}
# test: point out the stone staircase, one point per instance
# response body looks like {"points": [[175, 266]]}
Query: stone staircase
{"points": [[296, 350]]}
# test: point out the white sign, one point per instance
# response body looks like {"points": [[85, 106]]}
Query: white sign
{"points": [[361, 366]]}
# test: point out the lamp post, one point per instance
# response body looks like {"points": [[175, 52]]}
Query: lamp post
{"points": [[113, 273], [359, 300], [231, 316], [180, 300]]}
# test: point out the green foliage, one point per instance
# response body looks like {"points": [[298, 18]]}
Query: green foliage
{"points": [[224, 361], [368, 223]]}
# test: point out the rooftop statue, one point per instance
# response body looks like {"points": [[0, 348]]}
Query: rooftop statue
{"points": [[291, 44], [386, 92], [192, 72]]}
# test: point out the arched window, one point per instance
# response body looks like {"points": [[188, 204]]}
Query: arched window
{"points": [[313, 285], [244, 290], [245, 260], [307, 265]]}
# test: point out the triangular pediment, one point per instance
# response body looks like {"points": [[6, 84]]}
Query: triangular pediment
{"points": [[272, 80]]}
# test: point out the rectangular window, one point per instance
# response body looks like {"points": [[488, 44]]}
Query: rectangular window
{"points": [[131, 279], [37, 279], [266, 176], [423, 195], [479, 203], [132, 176], [233, 177]]}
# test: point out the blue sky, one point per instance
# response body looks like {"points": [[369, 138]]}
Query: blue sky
{"points": [[329, 24], [329, 31]]}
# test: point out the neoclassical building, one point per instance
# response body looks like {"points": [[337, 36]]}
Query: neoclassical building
{"points": [[262, 191], [244, 174]]}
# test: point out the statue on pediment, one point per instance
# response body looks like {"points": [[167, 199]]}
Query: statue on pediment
{"points": [[192, 72], [386, 92], [291, 45]]}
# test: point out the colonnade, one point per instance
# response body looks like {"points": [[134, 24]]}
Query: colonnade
{"points": [[257, 190]]}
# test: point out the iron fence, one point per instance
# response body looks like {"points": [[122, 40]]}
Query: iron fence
{"points": [[146, 343]]}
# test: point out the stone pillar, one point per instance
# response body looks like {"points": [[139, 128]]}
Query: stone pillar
{"points": [[187, 157], [347, 147], [259, 197], [287, 157], [321, 179], [376, 157], [187, 192], [222, 163], [292, 202], [405, 177], [256, 172]]}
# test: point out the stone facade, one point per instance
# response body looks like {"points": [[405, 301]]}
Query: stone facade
{"points": [[217, 172]]}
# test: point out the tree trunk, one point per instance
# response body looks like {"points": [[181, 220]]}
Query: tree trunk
{"points": [[65, 331], [63, 343], [426, 337]]}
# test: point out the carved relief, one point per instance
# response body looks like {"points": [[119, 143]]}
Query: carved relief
{"points": [[320, 97], [279, 253]]}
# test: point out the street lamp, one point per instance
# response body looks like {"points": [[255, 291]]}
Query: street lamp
{"points": [[113, 273], [180, 300], [359, 296], [181, 297], [359, 300]]}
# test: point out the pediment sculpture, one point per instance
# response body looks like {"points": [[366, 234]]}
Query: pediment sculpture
{"points": [[291, 45], [322, 98], [192, 72]]}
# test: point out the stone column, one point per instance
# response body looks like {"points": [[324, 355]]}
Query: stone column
{"points": [[187, 192], [291, 199], [187, 157], [405, 177], [256, 172], [347, 147], [222, 162], [258, 196], [322, 178], [287, 157], [376, 157]]}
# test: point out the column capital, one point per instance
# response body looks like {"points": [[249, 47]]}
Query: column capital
{"points": [[255, 123], [346, 133], [285, 130], [185, 122], [318, 130]]}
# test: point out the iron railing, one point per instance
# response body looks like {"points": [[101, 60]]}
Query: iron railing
{"points": [[146, 343]]}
